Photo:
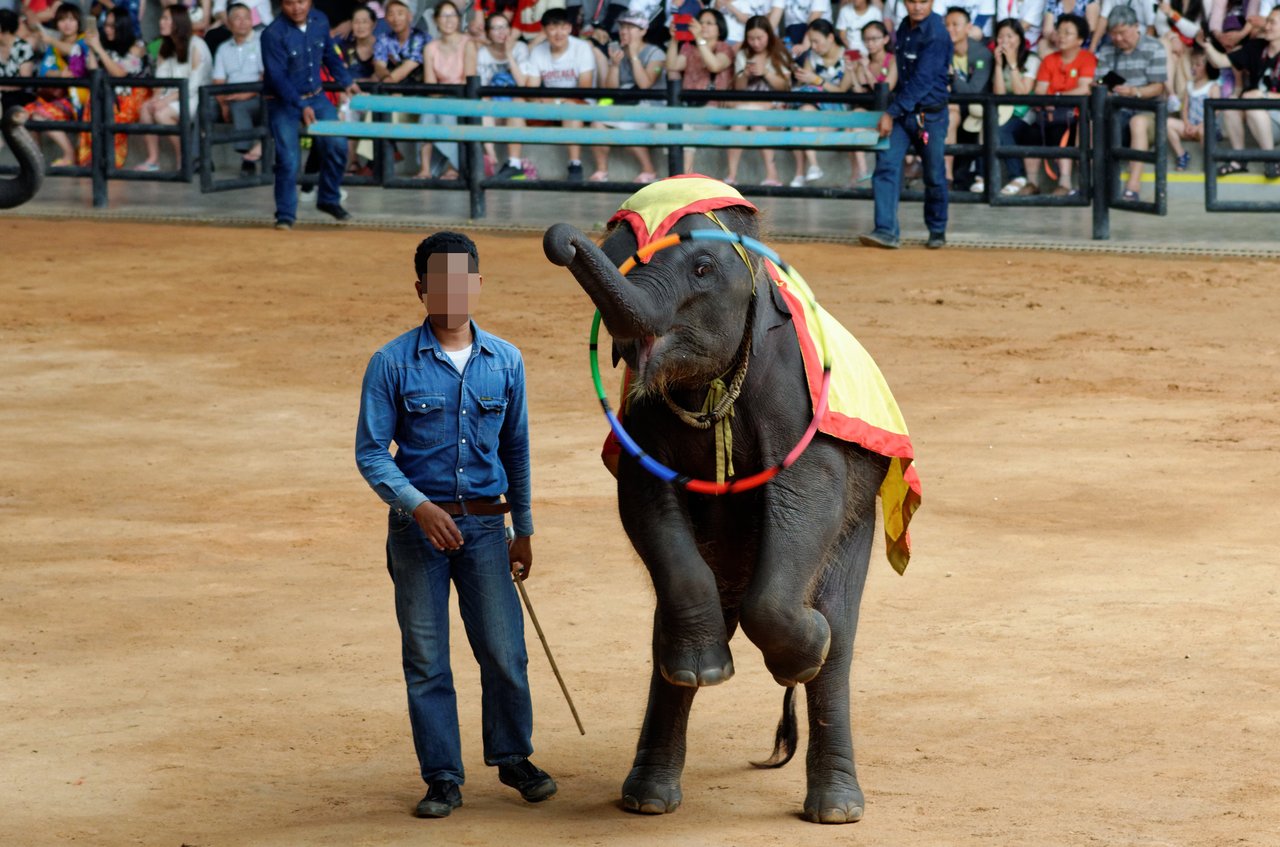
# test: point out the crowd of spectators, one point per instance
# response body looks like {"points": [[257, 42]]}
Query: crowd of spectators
{"points": [[1182, 50]]}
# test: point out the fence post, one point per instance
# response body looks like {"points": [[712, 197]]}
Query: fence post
{"points": [[990, 140], [675, 153], [204, 130], [100, 141], [184, 127], [475, 152], [1162, 157], [1100, 138], [881, 90], [1210, 155]]}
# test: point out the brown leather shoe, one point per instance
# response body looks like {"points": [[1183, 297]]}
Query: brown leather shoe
{"points": [[1029, 189]]}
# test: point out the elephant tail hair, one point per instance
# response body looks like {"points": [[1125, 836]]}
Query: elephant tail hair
{"points": [[786, 739]]}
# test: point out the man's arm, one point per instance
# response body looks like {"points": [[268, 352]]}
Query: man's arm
{"points": [[375, 430], [275, 64], [513, 452]]}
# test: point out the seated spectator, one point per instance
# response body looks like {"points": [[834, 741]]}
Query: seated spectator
{"points": [[851, 19], [737, 13], [182, 56], [1140, 61], [397, 54], [1015, 73], [1096, 13], [970, 74], [38, 13], [1229, 22], [1188, 125], [240, 60], [119, 52], [219, 33], [562, 61], [823, 70], [1258, 60], [704, 64], [632, 64], [1053, 12], [1068, 71], [790, 21], [1030, 16], [444, 61], [877, 64], [1177, 23], [357, 51], [65, 58], [763, 64], [17, 58], [500, 63]]}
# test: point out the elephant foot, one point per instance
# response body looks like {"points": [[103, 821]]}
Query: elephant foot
{"points": [[650, 796], [696, 667], [802, 660], [834, 805]]}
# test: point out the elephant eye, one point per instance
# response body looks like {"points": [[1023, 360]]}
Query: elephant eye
{"points": [[701, 268]]}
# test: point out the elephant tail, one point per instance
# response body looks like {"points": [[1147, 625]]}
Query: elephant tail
{"points": [[786, 739]]}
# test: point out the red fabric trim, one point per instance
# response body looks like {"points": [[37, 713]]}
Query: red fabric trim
{"points": [[834, 423]]}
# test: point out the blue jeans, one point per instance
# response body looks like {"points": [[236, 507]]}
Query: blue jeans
{"points": [[1016, 131], [285, 123], [494, 623], [887, 180]]}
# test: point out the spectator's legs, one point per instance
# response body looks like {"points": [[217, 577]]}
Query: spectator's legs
{"points": [[888, 179], [953, 127], [1009, 137], [734, 155], [1259, 121], [63, 143], [575, 150], [770, 167], [283, 122], [1174, 129], [332, 153], [147, 115], [645, 161], [601, 155], [936, 183], [243, 117], [1139, 127]]}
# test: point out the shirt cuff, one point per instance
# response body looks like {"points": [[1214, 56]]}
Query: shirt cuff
{"points": [[522, 522], [410, 499]]}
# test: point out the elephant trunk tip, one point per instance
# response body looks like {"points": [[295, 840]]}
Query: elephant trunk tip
{"points": [[559, 243]]}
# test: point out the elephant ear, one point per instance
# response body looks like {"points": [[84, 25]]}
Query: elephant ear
{"points": [[771, 310]]}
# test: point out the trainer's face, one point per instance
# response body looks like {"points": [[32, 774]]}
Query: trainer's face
{"points": [[449, 289], [918, 10], [296, 10]]}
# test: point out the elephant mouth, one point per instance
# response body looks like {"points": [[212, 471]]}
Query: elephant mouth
{"points": [[648, 350]]}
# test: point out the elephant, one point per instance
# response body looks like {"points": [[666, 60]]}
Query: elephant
{"points": [[19, 189], [787, 561]]}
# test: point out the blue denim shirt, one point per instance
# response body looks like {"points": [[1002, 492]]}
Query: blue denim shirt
{"points": [[459, 436], [291, 58], [924, 66]]}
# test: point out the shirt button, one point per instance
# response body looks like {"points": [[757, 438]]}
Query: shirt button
{"points": [[459, 470], [464, 411], [464, 441]]}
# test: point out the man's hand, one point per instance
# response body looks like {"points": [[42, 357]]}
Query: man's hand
{"points": [[308, 118], [1126, 91], [885, 125], [436, 525], [353, 89], [520, 553]]}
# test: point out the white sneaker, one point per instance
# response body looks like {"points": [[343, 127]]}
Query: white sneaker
{"points": [[311, 194], [814, 174], [798, 182]]}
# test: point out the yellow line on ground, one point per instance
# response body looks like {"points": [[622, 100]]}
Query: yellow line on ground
{"points": [[1234, 179]]}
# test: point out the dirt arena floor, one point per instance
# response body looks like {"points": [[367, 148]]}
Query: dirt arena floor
{"points": [[196, 626]]}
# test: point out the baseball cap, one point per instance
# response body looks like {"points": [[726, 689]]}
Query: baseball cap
{"points": [[632, 19]]}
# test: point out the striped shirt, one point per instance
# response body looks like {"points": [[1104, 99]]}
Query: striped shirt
{"points": [[1143, 65]]}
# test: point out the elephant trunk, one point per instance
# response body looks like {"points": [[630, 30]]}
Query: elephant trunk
{"points": [[628, 311], [21, 188]]}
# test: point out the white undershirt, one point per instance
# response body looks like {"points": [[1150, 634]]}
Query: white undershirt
{"points": [[459, 357]]}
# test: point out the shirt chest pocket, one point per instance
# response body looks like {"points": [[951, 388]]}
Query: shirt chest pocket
{"points": [[493, 410], [423, 422]]}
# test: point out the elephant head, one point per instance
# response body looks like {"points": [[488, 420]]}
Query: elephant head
{"points": [[680, 319], [21, 188]]}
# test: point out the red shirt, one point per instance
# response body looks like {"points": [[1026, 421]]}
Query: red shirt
{"points": [[1066, 77]]}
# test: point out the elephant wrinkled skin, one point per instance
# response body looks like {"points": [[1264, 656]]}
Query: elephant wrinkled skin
{"points": [[787, 561], [17, 190]]}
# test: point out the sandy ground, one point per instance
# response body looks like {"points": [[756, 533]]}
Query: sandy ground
{"points": [[196, 626]]}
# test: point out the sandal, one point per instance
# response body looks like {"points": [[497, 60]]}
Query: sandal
{"points": [[145, 167], [1130, 195], [600, 176], [1232, 168], [1014, 186], [771, 182], [645, 177]]}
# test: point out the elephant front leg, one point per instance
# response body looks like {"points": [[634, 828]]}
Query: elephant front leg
{"points": [[653, 786], [691, 644]]}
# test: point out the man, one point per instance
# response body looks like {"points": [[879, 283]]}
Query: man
{"points": [[917, 116], [1140, 63], [452, 397], [1259, 60], [563, 61], [240, 60], [632, 64], [791, 19], [397, 54], [971, 64], [293, 49]]}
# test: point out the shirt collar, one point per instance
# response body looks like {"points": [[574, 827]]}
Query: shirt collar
{"points": [[427, 340]]}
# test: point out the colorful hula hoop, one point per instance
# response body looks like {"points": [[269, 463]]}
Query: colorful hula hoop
{"points": [[702, 486]]}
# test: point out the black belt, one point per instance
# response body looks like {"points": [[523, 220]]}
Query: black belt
{"points": [[474, 507], [929, 110]]}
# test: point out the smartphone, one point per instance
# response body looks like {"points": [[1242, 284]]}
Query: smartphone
{"points": [[853, 55], [682, 26], [1112, 80]]}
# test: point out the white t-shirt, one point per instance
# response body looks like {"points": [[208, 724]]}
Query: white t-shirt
{"points": [[459, 357], [849, 23], [239, 62], [738, 29], [196, 77], [799, 11], [487, 65], [562, 71]]}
